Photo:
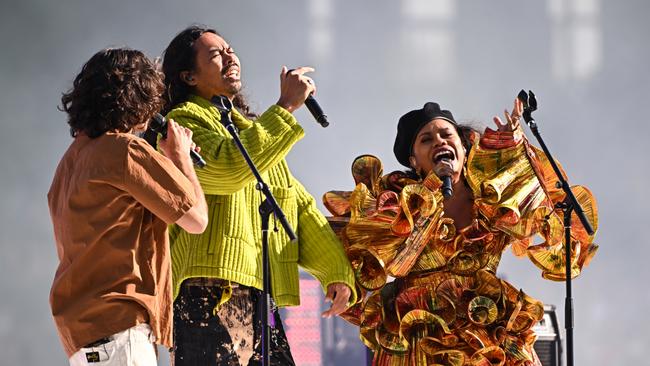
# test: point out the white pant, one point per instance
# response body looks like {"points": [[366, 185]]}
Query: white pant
{"points": [[132, 347]]}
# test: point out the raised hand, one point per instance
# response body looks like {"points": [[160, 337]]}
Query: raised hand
{"points": [[512, 119], [295, 87], [178, 142]]}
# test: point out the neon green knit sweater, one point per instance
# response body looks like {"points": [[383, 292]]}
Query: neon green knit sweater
{"points": [[230, 248]]}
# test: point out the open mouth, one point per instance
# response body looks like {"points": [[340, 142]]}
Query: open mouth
{"points": [[231, 72], [443, 155]]}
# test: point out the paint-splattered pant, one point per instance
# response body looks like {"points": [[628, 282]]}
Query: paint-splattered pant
{"points": [[210, 336]]}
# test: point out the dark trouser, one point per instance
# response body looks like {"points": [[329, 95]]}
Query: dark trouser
{"points": [[203, 336]]}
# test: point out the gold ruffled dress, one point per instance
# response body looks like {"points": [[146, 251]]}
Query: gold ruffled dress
{"points": [[445, 304]]}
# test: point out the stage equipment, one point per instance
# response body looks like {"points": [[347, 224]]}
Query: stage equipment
{"points": [[269, 206], [568, 206], [549, 343]]}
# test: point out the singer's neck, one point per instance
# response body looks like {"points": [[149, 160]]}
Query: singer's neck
{"points": [[209, 95], [460, 206]]}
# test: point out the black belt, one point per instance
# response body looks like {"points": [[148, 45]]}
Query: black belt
{"points": [[208, 282], [99, 342]]}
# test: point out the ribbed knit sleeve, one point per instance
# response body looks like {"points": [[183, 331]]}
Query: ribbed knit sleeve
{"points": [[267, 140], [321, 253]]}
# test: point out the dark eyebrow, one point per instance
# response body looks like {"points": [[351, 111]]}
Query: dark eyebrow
{"points": [[428, 133], [217, 49]]}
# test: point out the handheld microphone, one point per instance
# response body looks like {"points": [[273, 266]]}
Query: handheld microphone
{"points": [[158, 125], [316, 111], [314, 108], [447, 190]]}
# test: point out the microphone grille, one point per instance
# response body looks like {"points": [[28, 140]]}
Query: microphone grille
{"points": [[158, 124]]}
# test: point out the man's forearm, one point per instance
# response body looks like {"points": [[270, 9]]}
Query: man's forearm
{"points": [[185, 165]]}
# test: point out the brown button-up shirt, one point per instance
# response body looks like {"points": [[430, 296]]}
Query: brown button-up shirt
{"points": [[110, 202]]}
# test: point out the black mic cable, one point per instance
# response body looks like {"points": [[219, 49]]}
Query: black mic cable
{"points": [[158, 125]]}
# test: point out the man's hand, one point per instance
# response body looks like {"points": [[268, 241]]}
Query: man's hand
{"points": [[339, 294], [295, 87], [178, 143]]}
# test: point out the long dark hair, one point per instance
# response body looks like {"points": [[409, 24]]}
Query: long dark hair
{"points": [[116, 90], [180, 56]]}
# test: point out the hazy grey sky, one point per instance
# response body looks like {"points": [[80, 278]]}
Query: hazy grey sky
{"points": [[587, 60]]}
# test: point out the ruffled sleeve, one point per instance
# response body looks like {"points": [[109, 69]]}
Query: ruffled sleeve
{"points": [[392, 221], [515, 188]]}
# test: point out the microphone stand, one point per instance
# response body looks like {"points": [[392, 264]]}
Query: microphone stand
{"points": [[267, 207], [568, 206]]}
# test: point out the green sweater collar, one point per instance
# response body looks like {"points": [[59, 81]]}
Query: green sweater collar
{"points": [[237, 118]]}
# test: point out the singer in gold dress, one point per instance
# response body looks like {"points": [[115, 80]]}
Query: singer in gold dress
{"points": [[426, 265]]}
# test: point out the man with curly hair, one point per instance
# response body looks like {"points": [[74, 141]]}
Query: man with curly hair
{"points": [[110, 201]]}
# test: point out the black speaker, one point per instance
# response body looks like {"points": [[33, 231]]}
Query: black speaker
{"points": [[548, 345]]}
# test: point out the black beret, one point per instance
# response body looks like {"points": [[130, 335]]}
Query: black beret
{"points": [[410, 124]]}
